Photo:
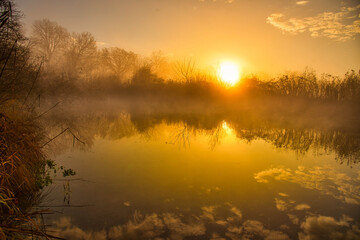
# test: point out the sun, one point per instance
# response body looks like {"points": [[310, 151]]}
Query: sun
{"points": [[229, 73]]}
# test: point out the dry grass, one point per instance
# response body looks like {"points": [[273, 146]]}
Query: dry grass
{"points": [[22, 165]]}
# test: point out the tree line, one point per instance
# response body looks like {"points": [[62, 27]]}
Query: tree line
{"points": [[74, 62]]}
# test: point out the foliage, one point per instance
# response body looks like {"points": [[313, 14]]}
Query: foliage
{"points": [[22, 161]]}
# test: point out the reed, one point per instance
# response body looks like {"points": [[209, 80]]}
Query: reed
{"points": [[22, 175]]}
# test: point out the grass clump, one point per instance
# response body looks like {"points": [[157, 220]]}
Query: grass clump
{"points": [[22, 174]]}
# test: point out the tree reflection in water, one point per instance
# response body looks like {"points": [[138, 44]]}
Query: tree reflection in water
{"points": [[300, 133]]}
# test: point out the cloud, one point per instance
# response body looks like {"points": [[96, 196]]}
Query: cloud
{"points": [[179, 229], [225, 1], [147, 227], [252, 229], [340, 26], [172, 226], [208, 213], [302, 2], [300, 207], [276, 173], [324, 227], [69, 231], [283, 194], [237, 212], [101, 44], [281, 205], [288, 206], [324, 179], [293, 218]]}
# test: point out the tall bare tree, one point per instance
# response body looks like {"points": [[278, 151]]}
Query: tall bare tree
{"points": [[80, 53], [49, 38]]}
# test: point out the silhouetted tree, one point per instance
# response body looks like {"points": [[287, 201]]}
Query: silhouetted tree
{"points": [[17, 74], [159, 64], [144, 76]]}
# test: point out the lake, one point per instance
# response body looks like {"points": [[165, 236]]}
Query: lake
{"points": [[153, 174]]}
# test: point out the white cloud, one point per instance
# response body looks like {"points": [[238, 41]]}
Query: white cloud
{"points": [[340, 26], [324, 179], [283, 194], [276, 173], [324, 227], [69, 231], [237, 212], [302, 2], [293, 218], [101, 44], [252, 229], [208, 213], [288, 205], [225, 1], [179, 230], [281, 205], [154, 226], [147, 227], [171, 226], [300, 207]]}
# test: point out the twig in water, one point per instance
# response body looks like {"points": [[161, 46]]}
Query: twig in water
{"points": [[62, 132], [33, 83], [42, 114], [8, 57]]}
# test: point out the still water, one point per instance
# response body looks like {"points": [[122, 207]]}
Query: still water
{"points": [[179, 176]]}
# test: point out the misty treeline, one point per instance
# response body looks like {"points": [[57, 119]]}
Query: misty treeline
{"points": [[74, 64], [53, 62]]}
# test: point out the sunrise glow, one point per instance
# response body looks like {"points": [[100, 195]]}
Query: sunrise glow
{"points": [[229, 73], [181, 119]]}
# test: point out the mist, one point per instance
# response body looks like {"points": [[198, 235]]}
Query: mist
{"points": [[102, 142]]}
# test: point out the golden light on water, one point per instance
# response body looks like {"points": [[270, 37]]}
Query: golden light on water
{"points": [[229, 73], [226, 128]]}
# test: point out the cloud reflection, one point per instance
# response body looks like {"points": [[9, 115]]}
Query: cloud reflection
{"points": [[324, 227], [324, 179], [173, 226]]}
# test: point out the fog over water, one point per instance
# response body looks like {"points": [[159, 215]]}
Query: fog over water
{"points": [[146, 171], [182, 119]]}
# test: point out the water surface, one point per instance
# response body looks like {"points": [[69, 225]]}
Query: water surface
{"points": [[194, 176]]}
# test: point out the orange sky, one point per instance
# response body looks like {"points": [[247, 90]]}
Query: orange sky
{"points": [[264, 36]]}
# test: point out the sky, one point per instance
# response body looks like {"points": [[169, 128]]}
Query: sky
{"points": [[263, 36]]}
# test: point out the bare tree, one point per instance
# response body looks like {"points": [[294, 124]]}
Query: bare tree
{"points": [[120, 62], [80, 53], [49, 38], [185, 70], [17, 74], [10, 26], [158, 64]]}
